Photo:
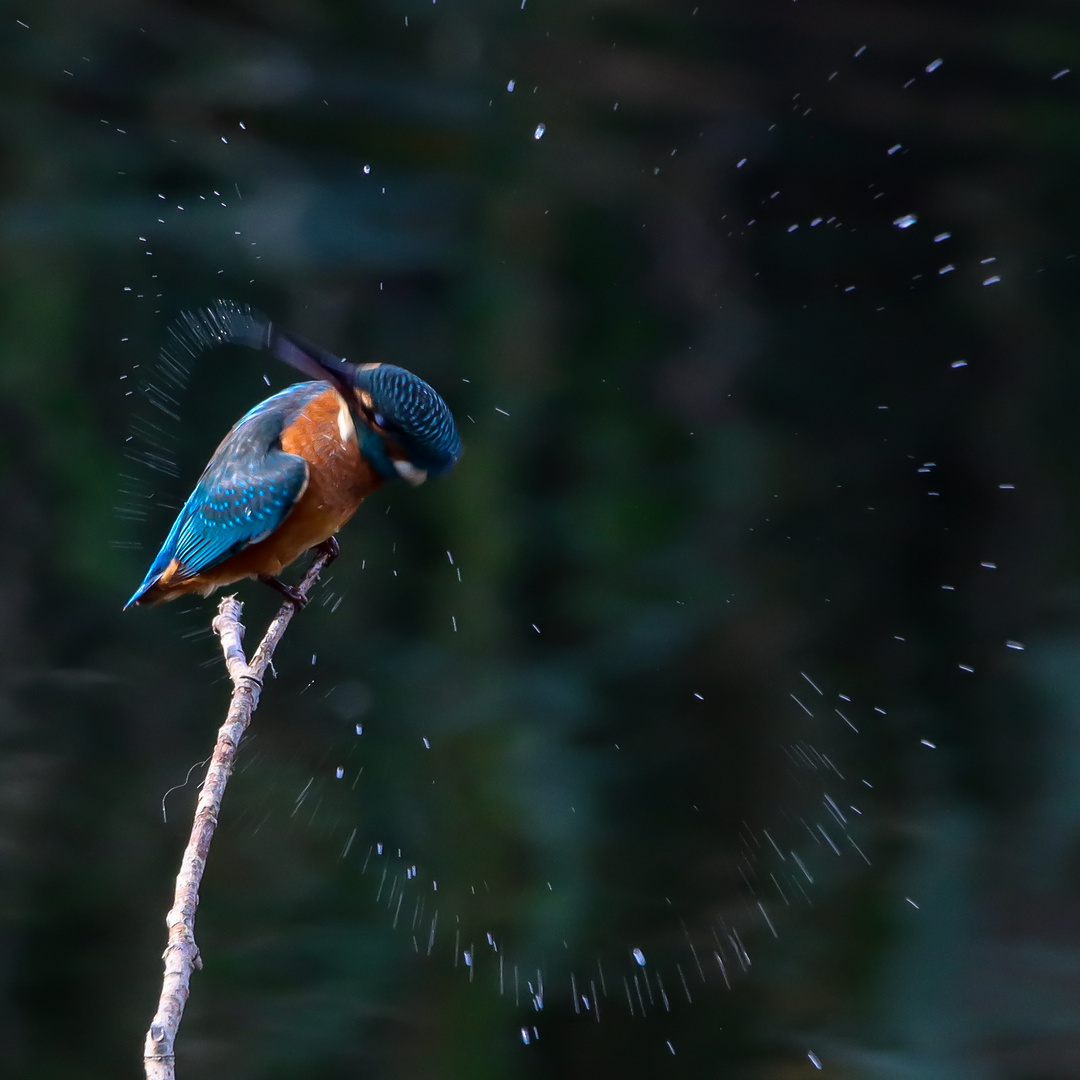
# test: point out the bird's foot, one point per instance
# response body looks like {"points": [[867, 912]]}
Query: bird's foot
{"points": [[290, 592], [330, 548]]}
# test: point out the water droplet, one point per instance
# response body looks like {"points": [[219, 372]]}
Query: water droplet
{"points": [[639, 956], [934, 65], [906, 221], [510, 87], [367, 170], [339, 772], [539, 132]]}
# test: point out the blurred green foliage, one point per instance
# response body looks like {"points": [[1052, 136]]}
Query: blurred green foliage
{"points": [[692, 473]]}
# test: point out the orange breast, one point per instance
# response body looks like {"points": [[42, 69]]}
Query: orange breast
{"points": [[338, 482]]}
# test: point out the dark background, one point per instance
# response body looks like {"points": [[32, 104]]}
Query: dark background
{"points": [[723, 470]]}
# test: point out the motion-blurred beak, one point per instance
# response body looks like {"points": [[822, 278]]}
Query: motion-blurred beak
{"points": [[315, 362]]}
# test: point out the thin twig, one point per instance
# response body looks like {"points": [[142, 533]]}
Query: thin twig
{"points": [[182, 954]]}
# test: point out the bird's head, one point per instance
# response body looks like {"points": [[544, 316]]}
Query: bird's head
{"points": [[405, 429], [410, 432]]}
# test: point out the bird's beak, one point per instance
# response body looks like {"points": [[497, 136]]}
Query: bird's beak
{"points": [[313, 361]]}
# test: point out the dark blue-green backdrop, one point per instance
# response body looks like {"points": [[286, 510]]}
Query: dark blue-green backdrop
{"points": [[744, 635]]}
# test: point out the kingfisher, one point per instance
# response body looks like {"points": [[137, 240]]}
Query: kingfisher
{"points": [[294, 469]]}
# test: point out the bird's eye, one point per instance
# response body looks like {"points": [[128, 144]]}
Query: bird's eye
{"points": [[385, 424]]}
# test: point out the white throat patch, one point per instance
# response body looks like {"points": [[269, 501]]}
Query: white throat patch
{"points": [[410, 473], [346, 427]]}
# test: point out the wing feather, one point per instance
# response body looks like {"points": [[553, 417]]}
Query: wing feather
{"points": [[246, 491]]}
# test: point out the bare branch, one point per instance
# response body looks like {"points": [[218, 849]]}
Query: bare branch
{"points": [[181, 955]]}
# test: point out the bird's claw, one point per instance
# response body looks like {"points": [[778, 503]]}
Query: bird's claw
{"points": [[329, 548], [290, 592]]}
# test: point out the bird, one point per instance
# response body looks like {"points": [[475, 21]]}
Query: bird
{"points": [[295, 468]]}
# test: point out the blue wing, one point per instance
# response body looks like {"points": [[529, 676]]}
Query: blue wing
{"points": [[243, 495]]}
